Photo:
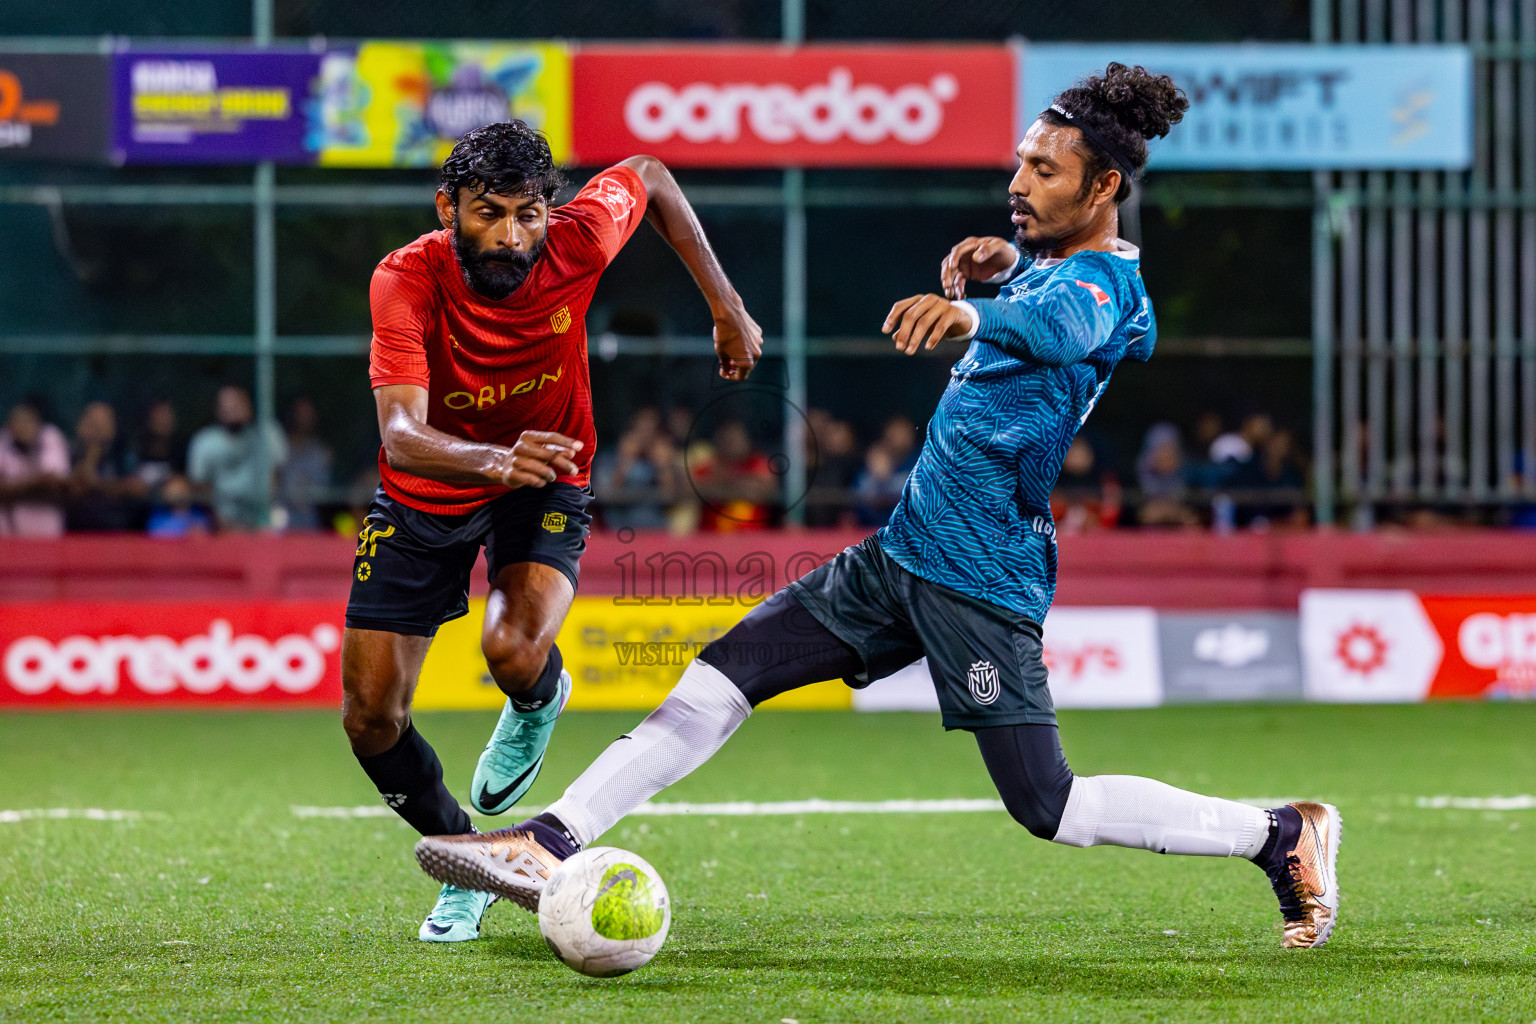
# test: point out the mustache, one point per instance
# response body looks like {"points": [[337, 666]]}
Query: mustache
{"points": [[506, 256], [1018, 205]]}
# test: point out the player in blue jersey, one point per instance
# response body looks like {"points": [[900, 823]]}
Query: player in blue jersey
{"points": [[965, 571]]}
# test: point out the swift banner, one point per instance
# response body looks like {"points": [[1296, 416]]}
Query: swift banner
{"points": [[1395, 645], [255, 653], [227, 107], [53, 107], [1286, 106], [404, 104], [813, 106]]}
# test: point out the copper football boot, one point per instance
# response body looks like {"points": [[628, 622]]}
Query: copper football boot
{"points": [[1305, 876], [511, 863]]}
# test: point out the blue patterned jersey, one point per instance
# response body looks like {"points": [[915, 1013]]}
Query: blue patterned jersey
{"points": [[975, 515]]}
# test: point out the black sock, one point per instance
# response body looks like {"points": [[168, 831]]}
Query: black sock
{"points": [[545, 690], [1284, 829], [552, 834], [410, 779]]}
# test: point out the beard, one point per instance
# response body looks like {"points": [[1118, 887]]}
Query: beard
{"points": [[1039, 242], [495, 274], [1033, 247]]}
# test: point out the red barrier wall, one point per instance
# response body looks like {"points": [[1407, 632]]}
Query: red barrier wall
{"points": [[1164, 570]]}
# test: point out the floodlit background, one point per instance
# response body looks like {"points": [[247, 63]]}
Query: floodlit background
{"points": [[1313, 503]]}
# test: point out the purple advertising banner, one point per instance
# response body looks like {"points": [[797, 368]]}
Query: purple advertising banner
{"points": [[227, 107]]}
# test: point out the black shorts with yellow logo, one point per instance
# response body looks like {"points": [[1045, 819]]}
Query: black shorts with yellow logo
{"points": [[412, 569]]}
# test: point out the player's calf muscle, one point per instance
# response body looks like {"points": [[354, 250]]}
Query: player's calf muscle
{"points": [[378, 676]]}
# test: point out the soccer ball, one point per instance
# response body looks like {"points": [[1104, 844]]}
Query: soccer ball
{"points": [[605, 912]]}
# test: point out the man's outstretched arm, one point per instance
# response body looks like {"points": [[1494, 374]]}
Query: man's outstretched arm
{"points": [[738, 339], [413, 447], [1057, 327]]}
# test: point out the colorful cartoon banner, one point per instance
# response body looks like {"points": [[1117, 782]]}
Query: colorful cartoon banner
{"points": [[215, 107], [53, 107], [404, 104]]}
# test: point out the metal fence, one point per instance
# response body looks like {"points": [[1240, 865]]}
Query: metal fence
{"points": [[1425, 287], [1424, 283], [788, 198]]}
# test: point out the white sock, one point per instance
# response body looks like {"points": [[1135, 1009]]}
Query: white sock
{"points": [[695, 720], [1123, 810]]}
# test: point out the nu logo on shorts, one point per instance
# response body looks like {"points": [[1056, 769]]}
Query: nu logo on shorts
{"points": [[983, 682]]}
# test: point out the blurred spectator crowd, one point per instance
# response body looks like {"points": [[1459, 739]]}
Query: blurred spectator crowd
{"points": [[663, 472], [156, 480], [661, 475]]}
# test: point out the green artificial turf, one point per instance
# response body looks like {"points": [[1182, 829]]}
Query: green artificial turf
{"points": [[231, 908]]}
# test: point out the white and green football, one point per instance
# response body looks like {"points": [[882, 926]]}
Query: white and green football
{"points": [[605, 912]]}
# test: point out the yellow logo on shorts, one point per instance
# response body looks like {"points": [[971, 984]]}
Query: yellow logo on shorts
{"points": [[560, 319], [370, 535], [554, 522], [364, 570]]}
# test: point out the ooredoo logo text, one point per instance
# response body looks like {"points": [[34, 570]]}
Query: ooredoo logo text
{"points": [[202, 664], [839, 108]]}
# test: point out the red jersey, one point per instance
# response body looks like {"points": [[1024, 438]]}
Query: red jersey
{"points": [[493, 369]]}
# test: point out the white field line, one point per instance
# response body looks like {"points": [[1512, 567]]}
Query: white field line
{"points": [[1523, 802], [753, 810], [75, 813], [732, 809], [361, 811], [749, 809]]}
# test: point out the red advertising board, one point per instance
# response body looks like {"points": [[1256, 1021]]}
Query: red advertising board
{"points": [[1395, 645], [240, 653], [813, 106], [1490, 646]]}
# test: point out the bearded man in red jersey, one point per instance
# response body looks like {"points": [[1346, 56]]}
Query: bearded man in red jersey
{"points": [[479, 371]]}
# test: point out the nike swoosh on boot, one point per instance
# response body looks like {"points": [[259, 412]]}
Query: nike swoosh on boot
{"points": [[489, 799]]}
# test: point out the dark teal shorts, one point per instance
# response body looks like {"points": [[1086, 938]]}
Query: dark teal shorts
{"points": [[986, 661]]}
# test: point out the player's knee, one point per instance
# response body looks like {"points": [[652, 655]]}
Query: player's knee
{"points": [[373, 728], [1039, 820], [515, 661], [1040, 808]]}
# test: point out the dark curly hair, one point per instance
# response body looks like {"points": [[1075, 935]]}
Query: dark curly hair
{"points": [[1124, 107], [507, 159]]}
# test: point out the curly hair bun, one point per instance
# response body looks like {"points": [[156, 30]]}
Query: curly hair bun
{"points": [[1142, 102]]}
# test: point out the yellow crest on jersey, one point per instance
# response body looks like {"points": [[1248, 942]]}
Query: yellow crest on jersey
{"points": [[560, 319]]}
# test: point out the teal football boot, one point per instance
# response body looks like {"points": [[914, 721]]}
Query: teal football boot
{"points": [[511, 761], [456, 917]]}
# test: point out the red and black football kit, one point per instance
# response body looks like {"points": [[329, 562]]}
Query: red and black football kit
{"points": [[492, 369]]}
